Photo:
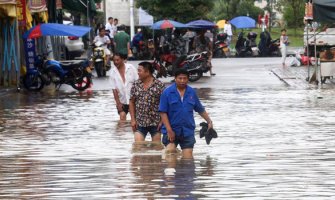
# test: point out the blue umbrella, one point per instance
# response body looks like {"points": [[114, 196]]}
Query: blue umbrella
{"points": [[243, 22], [201, 24], [164, 24], [53, 29]]}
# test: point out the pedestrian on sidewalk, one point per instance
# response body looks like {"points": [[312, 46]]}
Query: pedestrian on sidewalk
{"points": [[177, 103], [228, 30], [143, 105], [122, 77], [283, 46]]}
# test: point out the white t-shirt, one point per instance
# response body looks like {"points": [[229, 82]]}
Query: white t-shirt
{"points": [[103, 40], [114, 29], [110, 28], [227, 29], [123, 88]]}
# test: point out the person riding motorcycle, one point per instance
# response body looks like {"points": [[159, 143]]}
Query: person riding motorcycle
{"points": [[105, 41]]}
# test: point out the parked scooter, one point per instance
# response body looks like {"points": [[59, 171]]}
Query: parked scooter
{"points": [[251, 42], [76, 73], [220, 46], [195, 64], [99, 59], [267, 46], [242, 49]]}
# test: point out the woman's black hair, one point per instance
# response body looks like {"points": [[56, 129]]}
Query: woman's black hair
{"points": [[148, 66]]}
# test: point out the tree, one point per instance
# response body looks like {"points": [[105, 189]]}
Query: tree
{"points": [[293, 11], [180, 10], [247, 8], [228, 9]]}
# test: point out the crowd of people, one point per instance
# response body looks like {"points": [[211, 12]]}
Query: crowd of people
{"points": [[155, 109], [166, 113], [113, 37]]}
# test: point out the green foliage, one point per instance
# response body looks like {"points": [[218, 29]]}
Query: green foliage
{"points": [[228, 9], [293, 11], [180, 10], [248, 8]]}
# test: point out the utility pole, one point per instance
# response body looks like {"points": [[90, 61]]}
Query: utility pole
{"points": [[271, 13], [89, 20], [132, 27]]}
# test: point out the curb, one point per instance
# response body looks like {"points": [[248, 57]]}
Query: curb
{"points": [[280, 78]]}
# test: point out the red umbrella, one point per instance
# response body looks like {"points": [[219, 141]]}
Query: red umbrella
{"points": [[166, 24]]}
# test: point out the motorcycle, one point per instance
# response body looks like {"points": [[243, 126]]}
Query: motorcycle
{"points": [[247, 47], [140, 50], [242, 49], [99, 59], [195, 64], [220, 46], [76, 73], [267, 46], [251, 42]]}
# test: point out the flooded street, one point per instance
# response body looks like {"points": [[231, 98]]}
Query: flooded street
{"points": [[275, 142]]}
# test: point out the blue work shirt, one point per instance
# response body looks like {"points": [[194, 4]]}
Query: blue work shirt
{"points": [[180, 112]]}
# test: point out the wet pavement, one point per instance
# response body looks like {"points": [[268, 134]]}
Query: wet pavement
{"points": [[275, 142]]}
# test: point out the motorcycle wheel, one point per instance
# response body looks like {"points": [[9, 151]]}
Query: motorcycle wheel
{"points": [[194, 76], [220, 54], [82, 83], [33, 82], [99, 68]]}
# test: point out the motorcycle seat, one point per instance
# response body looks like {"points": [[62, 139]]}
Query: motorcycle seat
{"points": [[72, 63]]}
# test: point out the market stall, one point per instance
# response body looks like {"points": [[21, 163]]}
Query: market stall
{"points": [[317, 43], [324, 11]]}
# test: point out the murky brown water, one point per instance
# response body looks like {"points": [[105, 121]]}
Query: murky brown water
{"points": [[274, 143]]}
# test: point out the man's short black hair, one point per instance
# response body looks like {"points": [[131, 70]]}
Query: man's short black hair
{"points": [[179, 71], [148, 66], [109, 18], [121, 55], [122, 27]]}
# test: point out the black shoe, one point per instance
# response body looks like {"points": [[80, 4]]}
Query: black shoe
{"points": [[213, 74], [203, 130]]}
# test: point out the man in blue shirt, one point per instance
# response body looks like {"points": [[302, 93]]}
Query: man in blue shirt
{"points": [[176, 107]]}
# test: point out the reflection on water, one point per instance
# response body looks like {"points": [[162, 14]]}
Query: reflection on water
{"points": [[274, 143]]}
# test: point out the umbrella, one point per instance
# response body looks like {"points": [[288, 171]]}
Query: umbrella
{"points": [[243, 22], [221, 23], [201, 24], [164, 24], [53, 29]]}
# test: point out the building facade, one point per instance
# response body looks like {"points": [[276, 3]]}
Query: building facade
{"points": [[120, 9]]}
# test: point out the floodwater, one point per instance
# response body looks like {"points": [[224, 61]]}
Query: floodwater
{"points": [[274, 143]]}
